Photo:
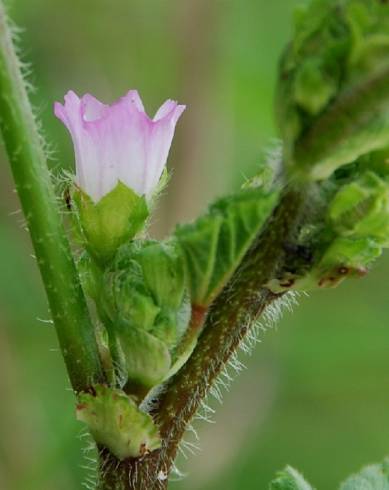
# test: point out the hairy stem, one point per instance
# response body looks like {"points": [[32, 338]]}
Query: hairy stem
{"points": [[232, 314], [32, 178], [228, 322]]}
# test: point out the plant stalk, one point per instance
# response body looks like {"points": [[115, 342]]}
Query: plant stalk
{"points": [[32, 178]]}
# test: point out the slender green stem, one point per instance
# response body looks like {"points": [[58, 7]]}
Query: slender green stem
{"points": [[32, 178]]}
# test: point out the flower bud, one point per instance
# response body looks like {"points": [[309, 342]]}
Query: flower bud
{"points": [[120, 156], [152, 309]]}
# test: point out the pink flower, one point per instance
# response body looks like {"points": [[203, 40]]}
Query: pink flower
{"points": [[118, 142]]}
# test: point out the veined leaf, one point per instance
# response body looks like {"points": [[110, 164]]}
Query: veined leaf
{"points": [[214, 245]]}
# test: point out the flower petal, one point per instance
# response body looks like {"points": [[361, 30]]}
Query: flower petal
{"points": [[118, 142], [91, 108], [164, 110], [133, 98], [160, 142]]}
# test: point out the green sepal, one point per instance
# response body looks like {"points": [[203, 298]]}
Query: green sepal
{"points": [[117, 423], [110, 222], [372, 477], [147, 358], [289, 479], [214, 245]]}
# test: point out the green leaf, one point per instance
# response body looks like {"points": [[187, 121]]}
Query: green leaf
{"points": [[199, 241], [117, 423], [289, 479], [373, 477], [115, 219], [214, 245]]}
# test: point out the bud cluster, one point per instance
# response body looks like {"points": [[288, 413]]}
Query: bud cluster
{"points": [[333, 91]]}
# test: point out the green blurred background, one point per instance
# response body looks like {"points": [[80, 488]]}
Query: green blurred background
{"points": [[316, 392]]}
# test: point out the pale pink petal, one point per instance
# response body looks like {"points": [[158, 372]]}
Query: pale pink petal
{"points": [[126, 130], [69, 113], [164, 110], [159, 145], [133, 98], [92, 109], [118, 142]]}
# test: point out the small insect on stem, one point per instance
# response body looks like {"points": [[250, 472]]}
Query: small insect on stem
{"points": [[68, 199]]}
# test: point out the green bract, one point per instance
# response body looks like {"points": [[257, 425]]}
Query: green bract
{"points": [[333, 91], [115, 219], [214, 245], [117, 423]]}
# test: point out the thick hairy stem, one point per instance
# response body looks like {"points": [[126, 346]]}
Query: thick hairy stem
{"points": [[232, 314], [32, 178], [228, 321]]}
